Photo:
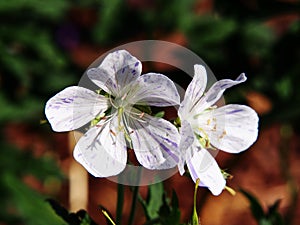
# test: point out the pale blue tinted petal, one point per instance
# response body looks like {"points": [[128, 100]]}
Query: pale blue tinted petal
{"points": [[155, 90], [216, 91], [203, 166], [73, 107], [186, 140], [103, 79], [231, 128], [102, 150], [155, 141], [117, 71], [194, 91]]}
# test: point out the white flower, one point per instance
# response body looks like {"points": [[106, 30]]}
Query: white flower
{"points": [[103, 148], [232, 128]]}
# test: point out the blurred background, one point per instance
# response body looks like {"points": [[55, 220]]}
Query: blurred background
{"points": [[47, 45]]}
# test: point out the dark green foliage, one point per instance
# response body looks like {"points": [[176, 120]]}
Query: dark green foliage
{"points": [[79, 218], [20, 204], [159, 209], [270, 217], [154, 200], [32, 65]]}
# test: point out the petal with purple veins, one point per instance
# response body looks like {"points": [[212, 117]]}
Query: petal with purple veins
{"points": [[154, 140], [118, 70], [203, 166], [215, 92], [155, 90], [186, 140], [73, 107], [102, 150], [194, 91], [232, 128]]}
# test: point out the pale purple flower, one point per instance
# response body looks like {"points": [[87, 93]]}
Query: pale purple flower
{"points": [[232, 128], [103, 148]]}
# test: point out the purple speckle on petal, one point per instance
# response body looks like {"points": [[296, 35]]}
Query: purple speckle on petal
{"points": [[225, 85], [234, 111], [136, 64], [67, 100]]}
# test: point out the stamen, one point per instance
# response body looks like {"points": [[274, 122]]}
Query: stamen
{"points": [[230, 190], [111, 102], [113, 133], [142, 114], [208, 121], [125, 95], [223, 134], [204, 140], [130, 113], [214, 128]]}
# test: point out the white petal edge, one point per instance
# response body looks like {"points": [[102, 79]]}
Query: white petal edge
{"points": [[203, 166], [117, 71], [102, 150], [154, 89], [73, 107], [215, 92], [186, 140], [194, 91], [232, 128]]}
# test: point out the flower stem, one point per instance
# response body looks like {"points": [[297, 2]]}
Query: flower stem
{"points": [[195, 219], [135, 193], [120, 203]]}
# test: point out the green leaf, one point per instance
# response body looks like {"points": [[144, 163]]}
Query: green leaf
{"points": [[156, 192], [255, 206], [272, 217], [160, 114], [30, 204], [169, 212]]}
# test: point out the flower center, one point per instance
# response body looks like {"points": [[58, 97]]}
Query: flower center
{"points": [[119, 102]]}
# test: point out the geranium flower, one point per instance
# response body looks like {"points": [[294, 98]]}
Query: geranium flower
{"points": [[231, 128], [102, 150]]}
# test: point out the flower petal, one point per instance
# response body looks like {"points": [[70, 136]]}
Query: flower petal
{"points": [[231, 128], [117, 71], [194, 91], [186, 140], [103, 79], [216, 91], [102, 150], [155, 90], [203, 166], [155, 141], [73, 107]]}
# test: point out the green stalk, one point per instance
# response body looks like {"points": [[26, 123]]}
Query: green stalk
{"points": [[120, 203], [135, 193], [195, 220]]}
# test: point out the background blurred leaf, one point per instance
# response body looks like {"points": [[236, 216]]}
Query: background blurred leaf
{"points": [[29, 204], [154, 200], [271, 217]]}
